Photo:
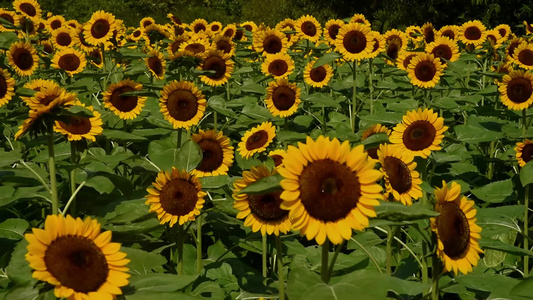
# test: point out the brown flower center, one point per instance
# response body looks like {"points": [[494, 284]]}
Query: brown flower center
{"points": [[8, 18], [3, 86], [318, 74], [419, 135], [407, 60], [48, 48], [502, 31], [182, 105], [512, 46], [283, 97], [354, 41], [329, 190], [453, 230], [175, 46], [309, 28], [76, 125], [217, 64], [257, 140], [123, 103], [393, 50], [472, 33], [526, 57], [373, 152], [398, 174], [147, 23], [178, 197], [266, 206], [199, 27], [77, 263], [55, 24], [212, 155], [195, 48], [100, 28], [248, 27], [448, 33], [224, 46], [519, 90], [137, 33], [425, 71], [272, 44], [47, 99], [28, 9], [63, 39], [229, 32], [429, 34], [215, 27], [23, 59], [527, 152], [278, 159], [155, 64], [238, 35], [69, 62], [333, 30], [278, 67], [442, 51]]}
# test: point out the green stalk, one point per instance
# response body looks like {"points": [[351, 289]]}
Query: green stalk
{"points": [[324, 122], [436, 275], [179, 244], [334, 258], [324, 266], [370, 84], [215, 116], [354, 98], [526, 231], [199, 264], [391, 233], [179, 138], [73, 162], [524, 123], [281, 275], [264, 254], [52, 169]]}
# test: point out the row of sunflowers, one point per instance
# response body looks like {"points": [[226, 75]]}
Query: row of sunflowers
{"points": [[235, 161]]}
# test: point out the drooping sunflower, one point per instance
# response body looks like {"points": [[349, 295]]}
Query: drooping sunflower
{"points": [[37, 85], [176, 197], [223, 43], [283, 98], [270, 41], [402, 181], [516, 90], [414, 33], [420, 132], [376, 128], [145, 22], [28, 8], [7, 87], [125, 107], [278, 65], [77, 128], [261, 212], [443, 48], [77, 258], [229, 31], [393, 48], [156, 63], [221, 63], [378, 45], [249, 26], [524, 152], [256, 139], [99, 29], [217, 153], [182, 104], [424, 70], [317, 77], [428, 31], [332, 30], [404, 59], [449, 31], [10, 17], [495, 38], [23, 58], [329, 189], [70, 60], [354, 41], [456, 229], [523, 55], [50, 97], [309, 28], [198, 25], [47, 47], [360, 18], [473, 33], [277, 156]]}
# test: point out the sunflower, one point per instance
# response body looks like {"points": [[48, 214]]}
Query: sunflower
{"points": [[511, 47], [156, 63], [64, 37], [278, 65], [177, 197], [317, 77], [7, 87], [182, 104], [174, 19], [23, 58], [145, 22], [393, 48], [428, 31], [376, 128], [397, 37], [309, 28], [404, 59], [354, 41], [414, 33], [136, 34], [449, 31], [223, 43], [443, 48], [424, 70], [221, 63], [229, 31], [214, 27], [154, 34], [29, 124], [329, 189], [28, 8], [50, 97], [277, 156], [196, 46], [125, 107], [495, 38], [70, 60], [74, 25], [523, 55], [47, 47], [401, 179], [29, 28], [256, 139], [99, 29], [55, 22], [288, 22], [270, 41], [217, 153], [529, 28], [77, 128], [283, 98], [378, 45], [332, 30], [524, 152], [249, 26], [10, 17], [198, 25], [173, 48], [261, 212], [456, 229], [516, 90], [37, 85], [77, 258], [360, 18], [420, 132], [473, 33]]}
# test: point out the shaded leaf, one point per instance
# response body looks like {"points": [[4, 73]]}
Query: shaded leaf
{"points": [[494, 192], [13, 229], [264, 185]]}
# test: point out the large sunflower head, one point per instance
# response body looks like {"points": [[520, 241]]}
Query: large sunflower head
{"points": [[278, 65], [395, 36], [223, 43], [23, 58], [283, 98], [7, 87], [99, 29], [317, 77], [77, 128], [261, 212], [473, 33], [64, 37], [329, 189], [229, 31], [332, 28], [449, 31], [523, 55], [10, 17], [402, 181], [516, 90], [257, 139], [176, 197], [524, 152], [156, 63], [277, 156], [270, 41], [495, 38], [48, 98], [354, 41], [70, 60], [217, 153], [182, 104], [424, 70], [456, 229], [196, 46], [420, 132], [404, 59], [428, 31], [55, 22], [511, 47], [309, 28], [249, 26], [220, 63], [214, 27], [443, 48], [28, 8], [198, 25], [376, 128], [37, 85], [145, 22], [125, 107], [77, 258]]}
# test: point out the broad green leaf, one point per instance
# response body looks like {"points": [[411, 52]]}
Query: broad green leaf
{"points": [[264, 185], [243, 70], [160, 282], [256, 112], [140, 94], [189, 156], [137, 227], [24, 292], [476, 134], [494, 192], [495, 284], [375, 139], [224, 276], [218, 104], [526, 173], [150, 295], [142, 262], [6, 192], [214, 182], [523, 288], [383, 118], [290, 136], [6, 39], [209, 289], [253, 88], [398, 212], [326, 59], [504, 247], [13, 229], [76, 111], [61, 152], [18, 270], [120, 135], [321, 100]]}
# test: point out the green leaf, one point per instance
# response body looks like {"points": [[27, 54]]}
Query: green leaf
{"points": [[398, 212], [24, 92], [218, 104], [13, 229], [494, 192], [326, 59], [189, 156], [161, 282], [264, 185], [19, 270], [214, 182], [243, 70], [476, 134], [6, 39], [523, 288], [150, 295], [140, 94], [504, 247], [122, 136], [24, 292], [256, 112], [321, 100], [383, 118], [526, 173], [77, 111], [253, 88]]}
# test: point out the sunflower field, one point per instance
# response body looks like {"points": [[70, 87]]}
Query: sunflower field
{"points": [[241, 161]]}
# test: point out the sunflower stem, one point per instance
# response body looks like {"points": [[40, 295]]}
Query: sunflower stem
{"points": [[370, 85], [524, 123], [492, 152], [102, 48], [334, 258], [73, 162], [281, 275], [52, 169], [324, 266], [179, 138], [435, 278], [354, 98], [179, 244], [199, 263], [391, 234], [215, 116], [264, 253], [526, 230], [324, 122]]}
